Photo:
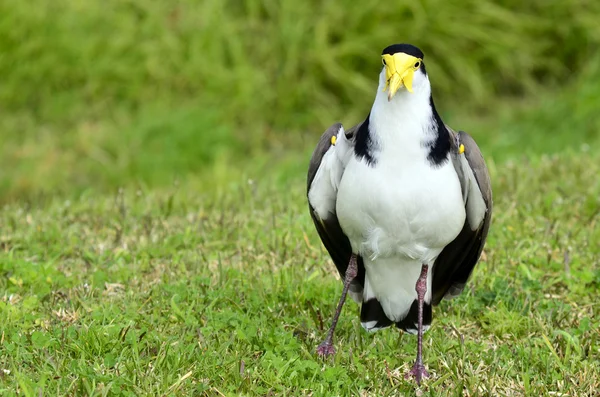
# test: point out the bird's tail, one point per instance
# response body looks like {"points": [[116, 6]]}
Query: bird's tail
{"points": [[373, 318], [409, 323]]}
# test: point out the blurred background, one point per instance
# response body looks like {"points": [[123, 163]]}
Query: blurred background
{"points": [[106, 94]]}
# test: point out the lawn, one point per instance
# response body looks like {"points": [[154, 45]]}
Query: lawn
{"points": [[154, 232], [190, 293]]}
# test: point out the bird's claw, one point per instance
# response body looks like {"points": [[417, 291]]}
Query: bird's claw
{"points": [[325, 349], [418, 372]]}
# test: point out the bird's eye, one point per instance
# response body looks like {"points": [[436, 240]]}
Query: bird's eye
{"points": [[417, 64]]}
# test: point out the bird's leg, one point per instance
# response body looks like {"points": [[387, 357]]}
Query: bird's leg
{"points": [[418, 370], [326, 347]]}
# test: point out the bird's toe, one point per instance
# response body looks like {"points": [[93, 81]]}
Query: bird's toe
{"points": [[325, 349], [418, 372]]}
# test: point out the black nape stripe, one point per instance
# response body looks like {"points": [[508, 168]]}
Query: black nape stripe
{"points": [[364, 146], [440, 146], [405, 48]]}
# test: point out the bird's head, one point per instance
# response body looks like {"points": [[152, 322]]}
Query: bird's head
{"points": [[402, 67]]}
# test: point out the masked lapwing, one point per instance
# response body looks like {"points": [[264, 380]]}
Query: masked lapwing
{"points": [[401, 202]]}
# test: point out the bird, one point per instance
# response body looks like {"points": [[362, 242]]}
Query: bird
{"points": [[401, 202]]}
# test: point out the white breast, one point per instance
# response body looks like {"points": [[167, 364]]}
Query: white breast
{"points": [[403, 210], [400, 212]]}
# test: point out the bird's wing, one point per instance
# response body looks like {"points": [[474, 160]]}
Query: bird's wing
{"points": [[325, 172], [456, 262]]}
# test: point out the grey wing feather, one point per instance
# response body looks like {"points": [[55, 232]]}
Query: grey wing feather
{"points": [[456, 262], [322, 148], [317, 156], [329, 229]]}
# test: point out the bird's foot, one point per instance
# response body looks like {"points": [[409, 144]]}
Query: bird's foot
{"points": [[325, 349], [418, 372]]}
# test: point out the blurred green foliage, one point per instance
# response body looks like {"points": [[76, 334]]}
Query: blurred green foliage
{"points": [[105, 92]]}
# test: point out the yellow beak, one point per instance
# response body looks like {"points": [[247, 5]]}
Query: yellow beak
{"points": [[399, 70]]}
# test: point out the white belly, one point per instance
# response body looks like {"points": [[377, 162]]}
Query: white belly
{"points": [[399, 216]]}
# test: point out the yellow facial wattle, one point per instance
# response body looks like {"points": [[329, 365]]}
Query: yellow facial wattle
{"points": [[399, 71]]}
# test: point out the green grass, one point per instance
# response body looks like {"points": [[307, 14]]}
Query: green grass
{"points": [[154, 235], [145, 293]]}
